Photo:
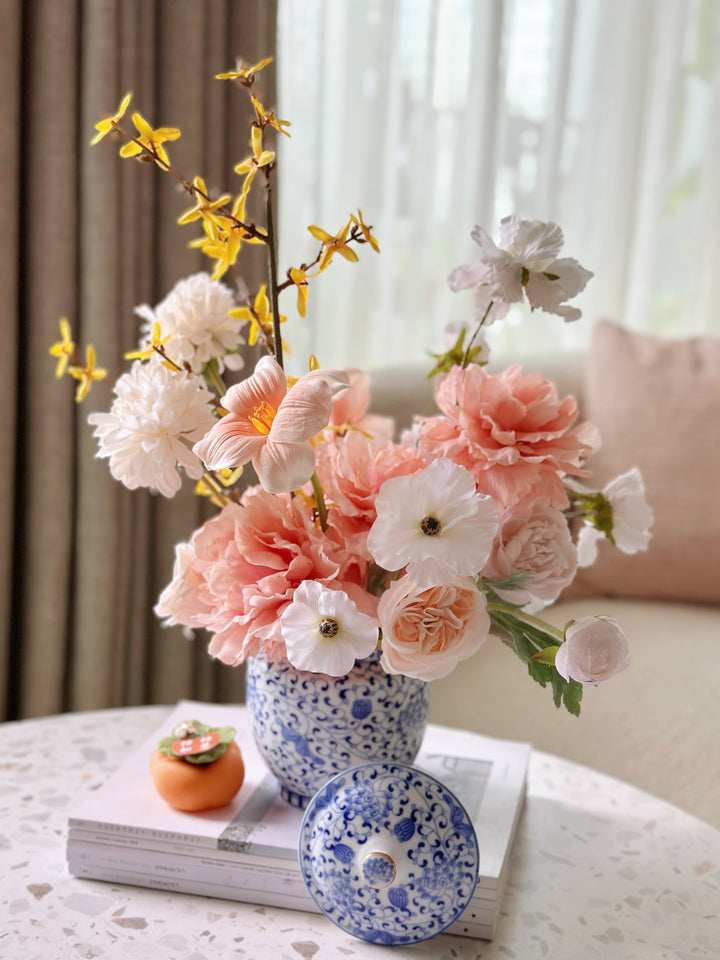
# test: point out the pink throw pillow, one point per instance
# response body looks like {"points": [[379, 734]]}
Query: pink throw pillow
{"points": [[656, 404]]}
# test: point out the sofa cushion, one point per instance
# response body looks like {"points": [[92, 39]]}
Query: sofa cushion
{"points": [[657, 406]]}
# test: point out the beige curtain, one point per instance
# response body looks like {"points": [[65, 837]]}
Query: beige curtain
{"points": [[89, 236]]}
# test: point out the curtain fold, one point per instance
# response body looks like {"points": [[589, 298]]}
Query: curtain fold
{"points": [[436, 115], [90, 237]]}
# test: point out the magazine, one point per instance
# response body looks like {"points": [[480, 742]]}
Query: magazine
{"points": [[247, 851]]}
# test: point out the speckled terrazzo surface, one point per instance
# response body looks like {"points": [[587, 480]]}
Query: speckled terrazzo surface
{"points": [[600, 870]]}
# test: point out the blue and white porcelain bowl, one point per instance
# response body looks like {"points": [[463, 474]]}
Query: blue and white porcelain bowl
{"points": [[309, 726], [388, 853]]}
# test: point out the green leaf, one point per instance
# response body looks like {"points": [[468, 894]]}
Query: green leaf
{"points": [[226, 734], [538, 650], [547, 655]]}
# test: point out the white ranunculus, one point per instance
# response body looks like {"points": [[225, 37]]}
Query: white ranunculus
{"points": [[594, 650], [195, 317], [433, 523], [156, 417], [324, 631]]}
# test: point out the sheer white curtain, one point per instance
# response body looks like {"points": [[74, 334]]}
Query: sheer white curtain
{"points": [[434, 115]]}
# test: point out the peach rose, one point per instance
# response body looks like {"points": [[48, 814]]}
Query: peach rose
{"points": [[535, 540], [427, 632], [511, 431], [595, 649]]}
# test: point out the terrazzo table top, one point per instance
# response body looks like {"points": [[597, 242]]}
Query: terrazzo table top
{"points": [[600, 870]]}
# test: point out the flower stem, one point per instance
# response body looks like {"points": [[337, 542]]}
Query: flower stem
{"points": [[211, 371], [466, 358], [319, 501], [272, 261], [519, 614]]}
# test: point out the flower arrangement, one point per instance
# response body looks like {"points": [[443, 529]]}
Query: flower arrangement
{"points": [[351, 540]]}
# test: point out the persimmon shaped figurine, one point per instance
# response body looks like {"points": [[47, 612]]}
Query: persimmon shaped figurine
{"points": [[198, 767]]}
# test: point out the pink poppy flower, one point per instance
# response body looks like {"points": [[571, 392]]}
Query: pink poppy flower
{"points": [[271, 425]]}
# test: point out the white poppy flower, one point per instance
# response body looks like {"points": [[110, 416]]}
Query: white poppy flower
{"points": [[631, 520], [434, 523], [325, 632]]}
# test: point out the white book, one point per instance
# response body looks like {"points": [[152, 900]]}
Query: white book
{"points": [[472, 923], [248, 850]]}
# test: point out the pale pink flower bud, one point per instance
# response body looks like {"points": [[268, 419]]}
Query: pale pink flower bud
{"points": [[595, 649]]}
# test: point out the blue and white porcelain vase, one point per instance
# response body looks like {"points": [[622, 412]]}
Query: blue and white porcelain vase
{"points": [[309, 726]]}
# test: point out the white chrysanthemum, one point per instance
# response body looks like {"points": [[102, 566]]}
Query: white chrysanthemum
{"points": [[435, 523], [325, 632], [632, 518], [156, 417], [195, 317]]}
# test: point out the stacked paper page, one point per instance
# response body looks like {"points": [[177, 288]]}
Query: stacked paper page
{"points": [[125, 833]]}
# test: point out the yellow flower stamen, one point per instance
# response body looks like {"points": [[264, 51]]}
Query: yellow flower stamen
{"points": [[262, 418]]}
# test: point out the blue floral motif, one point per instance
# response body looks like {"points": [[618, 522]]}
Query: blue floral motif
{"points": [[392, 857], [309, 727]]}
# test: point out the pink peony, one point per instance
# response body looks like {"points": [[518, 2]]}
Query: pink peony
{"points": [[427, 632], [595, 649], [350, 409], [245, 566], [351, 472], [511, 431], [272, 426], [533, 539]]}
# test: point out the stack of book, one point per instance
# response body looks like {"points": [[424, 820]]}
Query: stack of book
{"points": [[125, 833]]}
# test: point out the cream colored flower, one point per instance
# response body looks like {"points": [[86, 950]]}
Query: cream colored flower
{"points": [[156, 416], [196, 326]]}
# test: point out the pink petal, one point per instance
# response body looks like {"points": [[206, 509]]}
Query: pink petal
{"points": [[282, 467], [231, 442], [306, 409], [268, 383]]}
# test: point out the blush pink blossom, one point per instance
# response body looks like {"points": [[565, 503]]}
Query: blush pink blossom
{"points": [[511, 431], [535, 540], [350, 409], [427, 632], [242, 567], [595, 649], [271, 425], [351, 472]]}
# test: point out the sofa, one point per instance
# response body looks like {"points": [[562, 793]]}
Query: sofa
{"points": [[656, 725]]}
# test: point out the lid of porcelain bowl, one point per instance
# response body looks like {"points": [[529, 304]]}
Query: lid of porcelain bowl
{"points": [[388, 853]]}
